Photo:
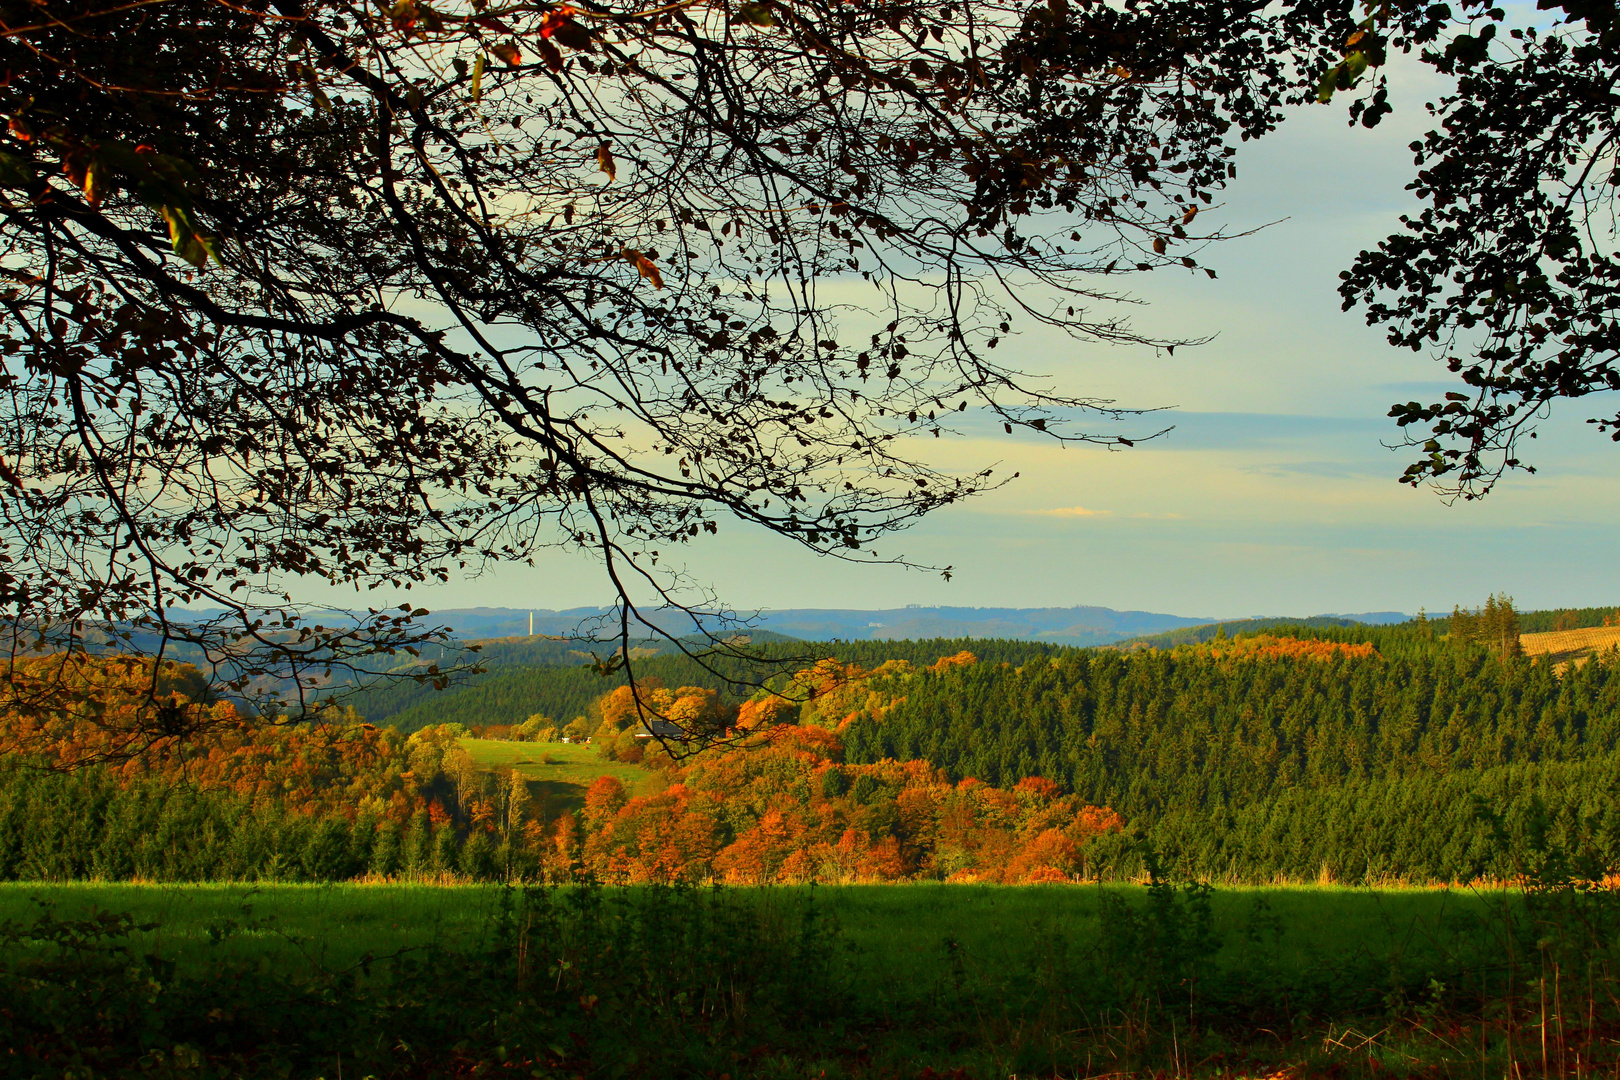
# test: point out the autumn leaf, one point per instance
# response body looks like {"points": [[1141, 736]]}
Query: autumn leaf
{"points": [[644, 266], [94, 182], [604, 161], [1158, 245], [551, 55], [478, 77], [558, 26], [403, 14], [1327, 84], [190, 242], [507, 52], [1192, 212]]}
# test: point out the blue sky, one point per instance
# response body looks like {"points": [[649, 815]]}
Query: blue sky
{"points": [[1273, 495]]}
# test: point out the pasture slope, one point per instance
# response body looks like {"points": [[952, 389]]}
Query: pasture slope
{"points": [[559, 773], [1563, 647]]}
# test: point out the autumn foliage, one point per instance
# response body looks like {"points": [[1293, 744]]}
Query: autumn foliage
{"points": [[1267, 647], [779, 806], [786, 810]]}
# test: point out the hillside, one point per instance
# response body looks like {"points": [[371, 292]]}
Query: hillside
{"points": [[1570, 646], [512, 690], [1192, 635], [559, 774], [1370, 751]]}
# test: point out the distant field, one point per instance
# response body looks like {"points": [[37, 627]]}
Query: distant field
{"points": [[565, 780], [1567, 646]]}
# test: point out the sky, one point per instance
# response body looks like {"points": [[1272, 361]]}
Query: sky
{"points": [[1273, 495]]}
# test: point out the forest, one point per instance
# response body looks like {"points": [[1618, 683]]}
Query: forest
{"points": [[1420, 753], [344, 799], [554, 679], [1361, 755]]}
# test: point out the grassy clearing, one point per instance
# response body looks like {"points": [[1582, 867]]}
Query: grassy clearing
{"points": [[560, 773], [1571, 646]]}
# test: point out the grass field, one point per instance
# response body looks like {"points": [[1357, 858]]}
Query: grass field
{"points": [[560, 773], [898, 932], [1570, 646], [858, 982]]}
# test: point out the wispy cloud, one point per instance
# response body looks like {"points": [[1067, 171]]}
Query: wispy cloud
{"points": [[1071, 511]]}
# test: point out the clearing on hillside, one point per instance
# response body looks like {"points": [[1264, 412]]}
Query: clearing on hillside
{"points": [[559, 772], [1571, 646]]}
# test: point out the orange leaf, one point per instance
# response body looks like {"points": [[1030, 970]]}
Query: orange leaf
{"points": [[604, 161], [508, 52], [644, 266], [558, 27]]}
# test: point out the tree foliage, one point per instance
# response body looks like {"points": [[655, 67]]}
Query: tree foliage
{"points": [[1508, 273], [321, 291]]}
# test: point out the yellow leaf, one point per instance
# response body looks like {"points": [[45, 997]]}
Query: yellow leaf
{"points": [[95, 182]]}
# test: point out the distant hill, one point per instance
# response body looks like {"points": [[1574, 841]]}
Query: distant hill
{"points": [[510, 691], [1193, 635], [554, 633], [1060, 626]]}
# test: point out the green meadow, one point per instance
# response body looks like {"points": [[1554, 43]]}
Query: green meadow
{"points": [[559, 773], [878, 981], [901, 936]]}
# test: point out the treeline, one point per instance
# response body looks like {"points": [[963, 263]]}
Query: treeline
{"points": [[1145, 731], [511, 691], [1495, 824], [1355, 754], [1256, 757], [1197, 635], [782, 810], [93, 824], [1541, 622]]}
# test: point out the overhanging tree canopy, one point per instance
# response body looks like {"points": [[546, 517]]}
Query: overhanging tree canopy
{"points": [[377, 295]]}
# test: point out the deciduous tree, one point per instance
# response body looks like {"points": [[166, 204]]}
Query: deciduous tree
{"points": [[319, 290]]}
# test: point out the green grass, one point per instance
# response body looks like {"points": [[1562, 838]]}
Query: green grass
{"points": [[562, 782], [898, 933], [975, 981]]}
